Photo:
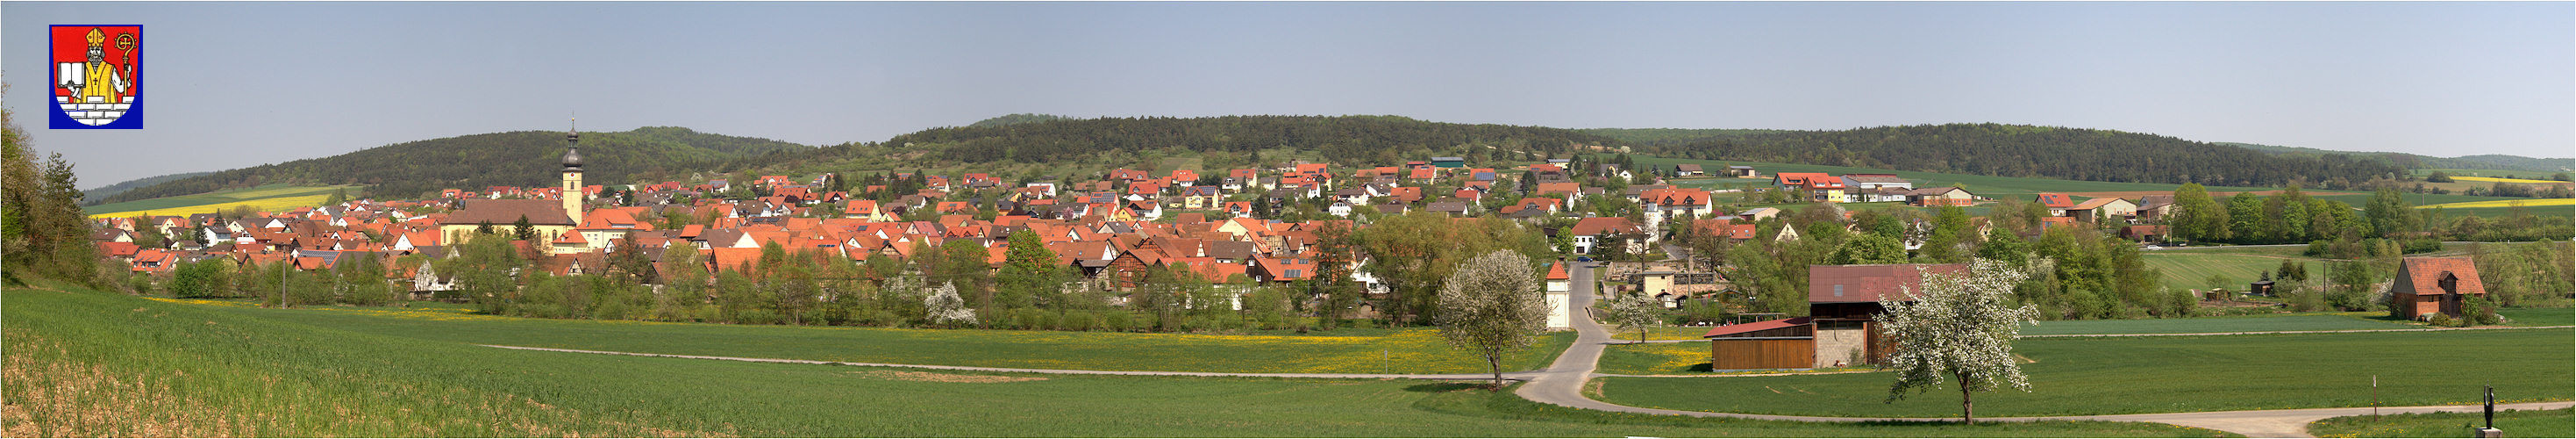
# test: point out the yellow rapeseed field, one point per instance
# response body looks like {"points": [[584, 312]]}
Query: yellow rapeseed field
{"points": [[2535, 202], [263, 204], [2504, 180]]}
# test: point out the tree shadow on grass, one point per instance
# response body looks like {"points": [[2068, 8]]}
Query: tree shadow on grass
{"points": [[1444, 387]]}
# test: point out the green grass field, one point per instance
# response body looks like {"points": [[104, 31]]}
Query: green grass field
{"points": [[2024, 187], [1655, 358], [85, 363], [2538, 316], [269, 197], [2515, 423], [2252, 323], [2192, 270], [2484, 173], [2074, 376], [1413, 350], [1982, 185]]}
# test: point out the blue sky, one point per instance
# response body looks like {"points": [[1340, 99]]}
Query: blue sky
{"points": [[242, 84]]}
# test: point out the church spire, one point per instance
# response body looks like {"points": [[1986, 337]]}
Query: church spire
{"points": [[572, 152]]}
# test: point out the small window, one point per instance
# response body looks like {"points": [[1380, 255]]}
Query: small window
{"points": [[1838, 291], [1292, 272]]}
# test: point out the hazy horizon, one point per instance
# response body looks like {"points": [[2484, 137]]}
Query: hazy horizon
{"points": [[232, 85]]}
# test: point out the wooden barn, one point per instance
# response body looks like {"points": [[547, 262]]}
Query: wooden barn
{"points": [[1843, 298], [2431, 285], [1771, 344]]}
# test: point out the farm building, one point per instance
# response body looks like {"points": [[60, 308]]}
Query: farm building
{"points": [[1774, 344], [2430, 285], [1838, 330], [1688, 170], [1939, 196], [1841, 299], [2095, 210]]}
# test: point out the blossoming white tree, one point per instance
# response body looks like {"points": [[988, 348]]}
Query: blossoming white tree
{"points": [[1958, 327], [1635, 311], [1492, 305], [945, 308]]}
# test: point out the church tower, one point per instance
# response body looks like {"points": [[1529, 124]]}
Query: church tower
{"points": [[573, 196]]}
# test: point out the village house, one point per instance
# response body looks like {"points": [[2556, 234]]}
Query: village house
{"points": [[2428, 285], [2103, 209]]}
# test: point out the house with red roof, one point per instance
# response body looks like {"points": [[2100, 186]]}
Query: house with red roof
{"points": [[2425, 286], [1588, 230], [2057, 203], [1812, 186]]}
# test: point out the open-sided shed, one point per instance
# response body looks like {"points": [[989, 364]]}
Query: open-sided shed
{"points": [[1771, 344]]}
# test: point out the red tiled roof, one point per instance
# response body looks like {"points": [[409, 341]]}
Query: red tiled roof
{"points": [[2423, 276], [2056, 200], [1869, 283], [1556, 271], [1765, 325]]}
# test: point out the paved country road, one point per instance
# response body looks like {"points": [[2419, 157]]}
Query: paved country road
{"points": [[1561, 383]]}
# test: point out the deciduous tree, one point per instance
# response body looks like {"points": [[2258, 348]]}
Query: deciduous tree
{"points": [[1490, 306], [1958, 328]]}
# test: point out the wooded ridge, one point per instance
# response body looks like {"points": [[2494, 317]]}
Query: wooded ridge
{"points": [[517, 158]]}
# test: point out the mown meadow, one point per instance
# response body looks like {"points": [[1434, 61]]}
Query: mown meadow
{"points": [[2120, 375], [1411, 350], [86, 363]]}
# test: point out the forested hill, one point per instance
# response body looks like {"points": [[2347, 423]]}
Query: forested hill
{"points": [[2029, 151], [92, 195], [518, 158], [1378, 140], [2413, 161]]}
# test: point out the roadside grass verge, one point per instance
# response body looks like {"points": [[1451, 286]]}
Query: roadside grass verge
{"points": [[2084, 376], [86, 363], [1406, 350], [2515, 423], [1655, 358]]}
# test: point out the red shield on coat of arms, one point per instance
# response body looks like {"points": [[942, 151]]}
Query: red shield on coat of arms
{"points": [[97, 77]]}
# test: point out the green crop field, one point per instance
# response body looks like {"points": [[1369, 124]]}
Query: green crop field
{"points": [[1982, 185], [2192, 270], [2252, 323], [2538, 316], [2515, 423], [87, 363], [271, 197], [2075, 376], [2484, 173], [1366, 351], [2023, 187]]}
